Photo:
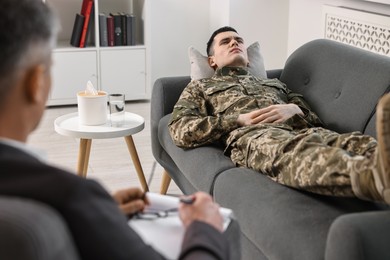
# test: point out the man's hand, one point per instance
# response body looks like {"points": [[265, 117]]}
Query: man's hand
{"points": [[272, 114], [202, 209], [130, 201]]}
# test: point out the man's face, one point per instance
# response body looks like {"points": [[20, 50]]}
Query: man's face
{"points": [[228, 49]]}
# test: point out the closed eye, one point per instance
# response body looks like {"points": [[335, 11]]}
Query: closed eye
{"points": [[229, 39], [225, 41]]}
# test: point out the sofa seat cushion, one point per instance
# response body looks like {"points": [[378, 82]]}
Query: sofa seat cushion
{"points": [[200, 166], [282, 222]]}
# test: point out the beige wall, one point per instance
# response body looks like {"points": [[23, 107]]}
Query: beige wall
{"points": [[280, 26], [256, 20], [174, 26]]}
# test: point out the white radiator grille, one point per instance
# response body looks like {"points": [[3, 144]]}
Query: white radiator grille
{"points": [[365, 30]]}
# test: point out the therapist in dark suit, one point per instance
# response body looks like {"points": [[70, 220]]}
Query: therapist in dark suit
{"points": [[96, 220]]}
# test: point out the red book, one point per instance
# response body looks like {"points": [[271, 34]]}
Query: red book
{"points": [[87, 16], [110, 31], [84, 7]]}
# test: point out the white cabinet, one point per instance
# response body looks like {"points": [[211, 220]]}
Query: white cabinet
{"points": [[123, 71], [116, 69], [70, 72]]}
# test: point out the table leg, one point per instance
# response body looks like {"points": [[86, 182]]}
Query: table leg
{"points": [[83, 159], [136, 162]]}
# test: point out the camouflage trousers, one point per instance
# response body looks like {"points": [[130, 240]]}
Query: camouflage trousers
{"points": [[314, 159]]}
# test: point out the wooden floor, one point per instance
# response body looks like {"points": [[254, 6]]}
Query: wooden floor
{"points": [[110, 162]]}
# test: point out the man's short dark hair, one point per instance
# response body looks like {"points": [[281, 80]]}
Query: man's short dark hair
{"points": [[211, 40]]}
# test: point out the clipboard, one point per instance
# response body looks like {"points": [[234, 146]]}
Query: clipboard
{"points": [[165, 234]]}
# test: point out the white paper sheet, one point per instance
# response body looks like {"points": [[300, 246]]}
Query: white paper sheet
{"points": [[166, 234]]}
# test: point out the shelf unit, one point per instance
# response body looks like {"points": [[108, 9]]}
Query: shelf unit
{"points": [[117, 69]]}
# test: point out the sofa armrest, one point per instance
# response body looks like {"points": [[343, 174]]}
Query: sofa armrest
{"points": [[165, 93], [359, 236], [32, 230]]}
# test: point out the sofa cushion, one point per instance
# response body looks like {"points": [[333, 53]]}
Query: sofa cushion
{"points": [[209, 159], [335, 85], [369, 232], [272, 215]]}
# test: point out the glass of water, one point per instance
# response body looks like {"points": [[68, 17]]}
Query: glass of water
{"points": [[116, 103]]}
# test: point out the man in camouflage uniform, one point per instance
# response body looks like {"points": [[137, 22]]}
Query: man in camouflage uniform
{"points": [[266, 127]]}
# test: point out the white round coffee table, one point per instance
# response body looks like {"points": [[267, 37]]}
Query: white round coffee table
{"points": [[68, 125]]}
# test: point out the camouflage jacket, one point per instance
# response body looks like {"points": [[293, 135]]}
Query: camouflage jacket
{"points": [[207, 110]]}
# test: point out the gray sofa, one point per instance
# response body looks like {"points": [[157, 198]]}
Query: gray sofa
{"points": [[342, 84], [34, 231]]}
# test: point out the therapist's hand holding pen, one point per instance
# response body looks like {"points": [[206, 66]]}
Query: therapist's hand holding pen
{"points": [[200, 207], [196, 207], [131, 200]]}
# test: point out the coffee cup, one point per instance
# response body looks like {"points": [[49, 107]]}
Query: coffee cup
{"points": [[92, 109]]}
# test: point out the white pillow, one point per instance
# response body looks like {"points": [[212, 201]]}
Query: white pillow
{"points": [[201, 69]]}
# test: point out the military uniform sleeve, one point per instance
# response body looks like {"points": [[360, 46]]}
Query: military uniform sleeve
{"points": [[309, 119], [192, 126]]}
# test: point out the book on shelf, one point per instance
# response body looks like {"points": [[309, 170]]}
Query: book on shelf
{"points": [[130, 23], [110, 31], [77, 29], [84, 6], [117, 28], [90, 38], [103, 34], [124, 29], [83, 32], [87, 14]]}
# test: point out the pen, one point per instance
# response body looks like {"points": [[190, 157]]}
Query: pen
{"points": [[187, 200]]}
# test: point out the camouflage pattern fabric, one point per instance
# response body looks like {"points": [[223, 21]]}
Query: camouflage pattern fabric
{"points": [[299, 152]]}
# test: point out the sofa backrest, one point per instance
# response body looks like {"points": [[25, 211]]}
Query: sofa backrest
{"points": [[341, 83]]}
